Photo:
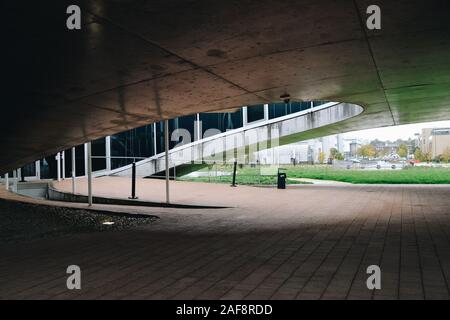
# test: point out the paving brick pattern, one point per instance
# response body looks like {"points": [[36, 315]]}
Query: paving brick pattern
{"points": [[317, 245]]}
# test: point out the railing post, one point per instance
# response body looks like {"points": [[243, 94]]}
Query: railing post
{"points": [[133, 181], [234, 174]]}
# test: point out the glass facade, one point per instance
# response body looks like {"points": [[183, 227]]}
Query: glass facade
{"points": [[132, 143], [146, 141], [29, 170], [255, 113], [98, 150], [221, 121], [282, 109]]}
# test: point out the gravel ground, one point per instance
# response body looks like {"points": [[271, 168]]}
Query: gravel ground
{"points": [[24, 222]]}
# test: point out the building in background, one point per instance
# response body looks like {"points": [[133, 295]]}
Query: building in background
{"points": [[350, 147], [434, 141], [302, 152]]}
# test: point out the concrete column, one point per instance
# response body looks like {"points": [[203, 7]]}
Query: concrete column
{"points": [[166, 148], [266, 112], [7, 181], [58, 165], [89, 173], [85, 159], [73, 170], [63, 164], [244, 116], [154, 139], [108, 152], [19, 174], [38, 169], [198, 128], [14, 188]]}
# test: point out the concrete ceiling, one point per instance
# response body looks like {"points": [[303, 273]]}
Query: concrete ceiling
{"points": [[138, 61]]}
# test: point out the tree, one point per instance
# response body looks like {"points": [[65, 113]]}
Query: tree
{"points": [[402, 150], [445, 156], [335, 154], [321, 157], [366, 151], [418, 155]]}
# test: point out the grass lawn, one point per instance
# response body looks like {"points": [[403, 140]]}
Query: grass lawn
{"points": [[410, 175], [244, 176]]}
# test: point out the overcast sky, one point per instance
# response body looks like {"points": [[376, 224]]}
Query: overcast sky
{"points": [[394, 133]]}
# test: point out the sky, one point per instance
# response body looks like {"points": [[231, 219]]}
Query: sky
{"points": [[396, 132]]}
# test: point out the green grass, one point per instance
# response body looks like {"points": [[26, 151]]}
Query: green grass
{"points": [[409, 175], [244, 176]]}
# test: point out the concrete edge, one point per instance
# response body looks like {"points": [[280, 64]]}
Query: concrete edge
{"points": [[57, 195]]}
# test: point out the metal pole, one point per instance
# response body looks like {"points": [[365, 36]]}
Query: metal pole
{"points": [[234, 174], [89, 167], [38, 169], [85, 159], [7, 181], [133, 181], [166, 147], [58, 165], [155, 149], [108, 152], [63, 164], [22, 177], [73, 170]]}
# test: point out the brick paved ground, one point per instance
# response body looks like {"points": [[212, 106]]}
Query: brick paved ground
{"points": [[308, 242]]}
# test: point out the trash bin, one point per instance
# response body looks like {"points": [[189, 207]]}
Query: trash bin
{"points": [[281, 181]]}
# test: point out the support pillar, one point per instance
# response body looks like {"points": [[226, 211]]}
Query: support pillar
{"points": [[63, 164], [155, 149], [7, 181], [108, 152], [85, 159], [38, 169], [166, 148], [244, 116], [58, 166], [266, 112], [89, 173], [74, 172]]}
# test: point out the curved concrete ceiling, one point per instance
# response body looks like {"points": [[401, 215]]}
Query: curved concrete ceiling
{"points": [[135, 62]]}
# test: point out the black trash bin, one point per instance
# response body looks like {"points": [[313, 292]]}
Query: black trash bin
{"points": [[281, 181]]}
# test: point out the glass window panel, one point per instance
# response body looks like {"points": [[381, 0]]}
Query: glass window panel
{"points": [[255, 113]]}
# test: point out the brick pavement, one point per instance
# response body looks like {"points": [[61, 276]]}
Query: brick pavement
{"points": [[308, 242]]}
